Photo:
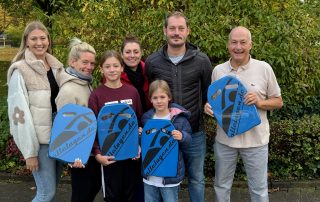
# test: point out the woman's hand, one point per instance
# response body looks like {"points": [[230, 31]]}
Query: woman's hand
{"points": [[32, 164], [77, 164]]}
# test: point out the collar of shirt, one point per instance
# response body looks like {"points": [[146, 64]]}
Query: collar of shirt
{"points": [[240, 68]]}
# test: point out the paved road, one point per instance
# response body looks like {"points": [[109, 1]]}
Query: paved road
{"points": [[23, 190]]}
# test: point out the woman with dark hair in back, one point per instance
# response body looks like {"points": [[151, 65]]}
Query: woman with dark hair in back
{"points": [[134, 71]]}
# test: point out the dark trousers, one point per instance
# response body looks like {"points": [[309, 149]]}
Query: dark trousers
{"points": [[121, 181], [86, 182], [139, 196]]}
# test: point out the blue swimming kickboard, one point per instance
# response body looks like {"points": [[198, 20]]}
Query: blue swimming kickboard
{"points": [[159, 149], [73, 134], [118, 131], [226, 97]]}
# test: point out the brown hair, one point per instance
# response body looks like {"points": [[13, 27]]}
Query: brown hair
{"points": [[160, 84], [130, 39], [108, 54], [29, 28], [175, 14]]}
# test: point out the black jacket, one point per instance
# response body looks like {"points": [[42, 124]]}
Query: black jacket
{"points": [[188, 80]]}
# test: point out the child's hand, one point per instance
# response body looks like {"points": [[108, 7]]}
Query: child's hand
{"points": [[77, 164], [140, 131], [139, 153], [105, 160], [177, 135]]}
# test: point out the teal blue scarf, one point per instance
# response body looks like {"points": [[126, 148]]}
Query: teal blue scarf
{"points": [[77, 74]]}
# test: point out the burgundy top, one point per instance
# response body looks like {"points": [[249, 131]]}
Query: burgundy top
{"points": [[103, 94]]}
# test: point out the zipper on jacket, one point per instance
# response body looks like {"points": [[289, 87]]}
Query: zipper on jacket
{"points": [[180, 101], [176, 68]]}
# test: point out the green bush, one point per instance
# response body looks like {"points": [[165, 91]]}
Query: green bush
{"points": [[11, 159], [210, 128], [295, 148], [4, 123], [285, 34], [14, 35]]}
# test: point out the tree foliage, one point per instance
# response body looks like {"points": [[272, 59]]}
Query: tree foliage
{"points": [[285, 34], [44, 10], [5, 20]]}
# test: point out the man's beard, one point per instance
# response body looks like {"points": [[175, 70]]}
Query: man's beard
{"points": [[175, 45]]}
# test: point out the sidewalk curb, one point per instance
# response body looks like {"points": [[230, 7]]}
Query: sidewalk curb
{"points": [[209, 183], [27, 178]]}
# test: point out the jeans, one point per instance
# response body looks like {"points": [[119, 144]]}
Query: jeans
{"points": [[194, 157], [256, 165], [159, 194], [47, 177]]}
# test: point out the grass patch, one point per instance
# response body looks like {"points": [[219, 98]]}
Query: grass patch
{"points": [[3, 78], [7, 53]]}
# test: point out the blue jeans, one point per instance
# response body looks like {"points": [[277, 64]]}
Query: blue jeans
{"points": [[255, 161], [47, 177], [194, 157], [159, 194]]}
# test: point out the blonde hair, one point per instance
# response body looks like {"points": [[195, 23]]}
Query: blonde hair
{"points": [[23, 46], [77, 47], [160, 84]]}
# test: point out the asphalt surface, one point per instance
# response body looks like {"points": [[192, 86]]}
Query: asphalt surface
{"points": [[22, 189]]}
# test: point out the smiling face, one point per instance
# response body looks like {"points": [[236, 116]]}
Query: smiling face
{"points": [[85, 64], [111, 69], [160, 101], [38, 43], [131, 55], [239, 46], [176, 31]]}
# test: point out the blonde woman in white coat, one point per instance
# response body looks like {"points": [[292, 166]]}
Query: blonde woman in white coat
{"points": [[33, 83]]}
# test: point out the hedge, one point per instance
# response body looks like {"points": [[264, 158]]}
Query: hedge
{"points": [[294, 149]]}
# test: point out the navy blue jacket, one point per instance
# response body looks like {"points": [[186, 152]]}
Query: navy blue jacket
{"points": [[179, 118]]}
